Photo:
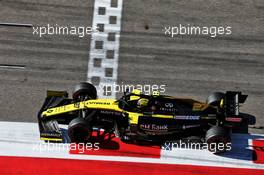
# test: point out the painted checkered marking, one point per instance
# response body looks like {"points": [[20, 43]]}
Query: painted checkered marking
{"points": [[104, 49]]}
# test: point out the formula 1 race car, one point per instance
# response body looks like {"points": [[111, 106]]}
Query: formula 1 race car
{"points": [[139, 117]]}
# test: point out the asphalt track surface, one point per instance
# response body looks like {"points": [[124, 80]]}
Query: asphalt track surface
{"points": [[192, 66]]}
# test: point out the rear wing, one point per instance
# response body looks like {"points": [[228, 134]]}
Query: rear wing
{"points": [[232, 102]]}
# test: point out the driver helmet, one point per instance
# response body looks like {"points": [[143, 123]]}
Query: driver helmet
{"points": [[143, 102], [136, 96]]}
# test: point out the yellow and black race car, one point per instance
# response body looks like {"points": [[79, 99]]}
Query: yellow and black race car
{"points": [[139, 117]]}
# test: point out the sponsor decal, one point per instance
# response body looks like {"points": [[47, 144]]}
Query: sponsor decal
{"points": [[167, 109], [187, 117], [154, 127], [233, 119], [50, 135], [189, 126], [208, 117], [58, 109], [110, 112], [211, 115], [168, 105], [77, 105], [49, 111], [98, 103]]}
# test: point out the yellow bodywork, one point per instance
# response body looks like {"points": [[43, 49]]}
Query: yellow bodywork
{"points": [[51, 139], [105, 104], [101, 104], [199, 106]]}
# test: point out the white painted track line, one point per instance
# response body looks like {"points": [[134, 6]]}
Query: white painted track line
{"points": [[104, 48]]}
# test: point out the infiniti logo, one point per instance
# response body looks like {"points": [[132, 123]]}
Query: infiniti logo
{"points": [[168, 105]]}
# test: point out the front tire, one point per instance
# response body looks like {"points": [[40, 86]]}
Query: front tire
{"points": [[79, 130], [84, 91]]}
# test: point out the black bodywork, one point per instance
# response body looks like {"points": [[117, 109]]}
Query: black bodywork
{"points": [[164, 118]]}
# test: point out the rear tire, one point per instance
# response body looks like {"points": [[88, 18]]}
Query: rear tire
{"points": [[79, 130], [218, 139], [215, 98], [83, 91]]}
